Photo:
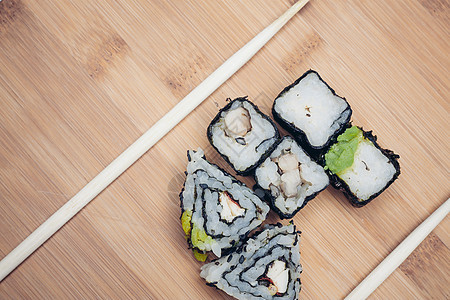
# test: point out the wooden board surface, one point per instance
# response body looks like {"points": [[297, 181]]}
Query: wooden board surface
{"points": [[81, 80]]}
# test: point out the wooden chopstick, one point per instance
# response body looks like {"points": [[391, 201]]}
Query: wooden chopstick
{"points": [[399, 254], [144, 143]]}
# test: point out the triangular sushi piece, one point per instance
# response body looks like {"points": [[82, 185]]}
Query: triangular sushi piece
{"points": [[217, 210], [266, 266]]}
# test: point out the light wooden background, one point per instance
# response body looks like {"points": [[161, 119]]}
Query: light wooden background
{"points": [[81, 80]]}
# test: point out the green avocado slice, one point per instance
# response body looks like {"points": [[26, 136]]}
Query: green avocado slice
{"points": [[341, 155]]}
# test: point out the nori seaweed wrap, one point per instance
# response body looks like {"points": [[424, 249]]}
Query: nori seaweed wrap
{"points": [[242, 135], [312, 113], [217, 211], [265, 266], [359, 167]]}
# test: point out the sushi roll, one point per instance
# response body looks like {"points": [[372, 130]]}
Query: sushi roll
{"points": [[243, 135], [266, 266], [312, 113], [217, 211], [290, 178], [360, 167]]}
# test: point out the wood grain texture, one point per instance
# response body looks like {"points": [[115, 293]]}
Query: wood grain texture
{"points": [[80, 81]]}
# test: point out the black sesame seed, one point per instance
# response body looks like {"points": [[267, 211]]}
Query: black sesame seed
{"points": [[240, 141]]}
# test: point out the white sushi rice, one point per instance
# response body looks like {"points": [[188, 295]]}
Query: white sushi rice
{"points": [[203, 184], [313, 177], [311, 107], [257, 141], [239, 273], [370, 173]]}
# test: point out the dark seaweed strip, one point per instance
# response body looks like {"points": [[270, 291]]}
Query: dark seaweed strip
{"points": [[188, 156], [181, 201], [259, 145], [205, 218], [213, 284]]}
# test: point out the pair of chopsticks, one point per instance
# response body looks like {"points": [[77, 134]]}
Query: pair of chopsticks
{"points": [[143, 144], [167, 123]]}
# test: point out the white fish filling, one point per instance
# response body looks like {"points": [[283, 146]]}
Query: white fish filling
{"points": [[237, 122], [279, 275], [311, 106], [290, 175], [370, 172], [242, 135], [230, 209]]}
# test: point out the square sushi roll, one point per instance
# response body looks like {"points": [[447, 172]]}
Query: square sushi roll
{"points": [[311, 112], [360, 167], [289, 178], [265, 266], [217, 211], [243, 135]]}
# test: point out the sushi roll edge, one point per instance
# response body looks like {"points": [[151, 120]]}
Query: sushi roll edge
{"points": [[267, 196], [341, 185], [186, 219], [251, 168], [266, 233], [299, 134]]}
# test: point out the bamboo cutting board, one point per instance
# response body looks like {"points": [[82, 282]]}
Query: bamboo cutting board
{"points": [[81, 80]]}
